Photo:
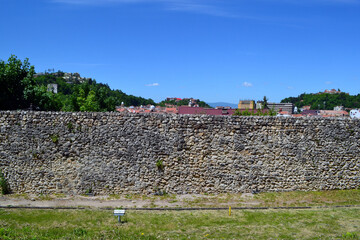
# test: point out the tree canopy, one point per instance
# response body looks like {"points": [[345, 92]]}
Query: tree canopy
{"points": [[325, 101], [184, 102], [88, 95], [19, 89]]}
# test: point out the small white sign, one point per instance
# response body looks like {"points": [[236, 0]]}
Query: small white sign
{"points": [[119, 212]]}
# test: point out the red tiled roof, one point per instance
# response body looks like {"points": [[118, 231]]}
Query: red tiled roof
{"points": [[284, 113], [171, 110], [205, 111], [121, 110]]}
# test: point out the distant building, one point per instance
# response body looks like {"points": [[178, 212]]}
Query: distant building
{"points": [[310, 113], [221, 107], [339, 108], [147, 109], [205, 111], [332, 91], [287, 107], [52, 87], [305, 108], [259, 104], [173, 99], [246, 104], [331, 113]]}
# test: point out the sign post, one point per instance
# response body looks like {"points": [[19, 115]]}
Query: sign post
{"points": [[119, 213]]}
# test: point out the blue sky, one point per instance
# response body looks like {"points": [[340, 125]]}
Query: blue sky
{"points": [[208, 49]]}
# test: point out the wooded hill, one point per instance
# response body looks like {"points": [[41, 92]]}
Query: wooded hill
{"points": [[183, 102], [21, 88], [325, 101], [88, 95]]}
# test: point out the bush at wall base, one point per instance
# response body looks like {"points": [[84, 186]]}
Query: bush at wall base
{"points": [[5, 189]]}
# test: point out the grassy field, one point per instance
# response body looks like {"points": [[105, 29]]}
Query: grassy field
{"points": [[274, 199], [328, 223]]}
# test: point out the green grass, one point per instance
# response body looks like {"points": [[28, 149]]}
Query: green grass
{"points": [[342, 223], [315, 198], [279, 199]]}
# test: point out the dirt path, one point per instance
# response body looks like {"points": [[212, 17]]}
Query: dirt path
{"points": [[172, 201]]}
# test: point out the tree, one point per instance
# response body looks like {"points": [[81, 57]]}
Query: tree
{"points": [[87, 102], [18, 90], [45, 100], [16, 83], [265, 100]]}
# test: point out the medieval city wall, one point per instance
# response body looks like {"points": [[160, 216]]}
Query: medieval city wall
{"points": [[112, 153]]}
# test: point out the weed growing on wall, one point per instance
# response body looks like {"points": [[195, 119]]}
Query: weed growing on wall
{"points": [[159, 192], [4, 185], [160, 165], [70, 126], [89, 191], [54, 138]]}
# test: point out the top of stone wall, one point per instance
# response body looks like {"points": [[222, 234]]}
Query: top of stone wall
{"points": [[182, 116]]}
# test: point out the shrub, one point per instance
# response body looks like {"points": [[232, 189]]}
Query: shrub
{"points": [[4, 185]]}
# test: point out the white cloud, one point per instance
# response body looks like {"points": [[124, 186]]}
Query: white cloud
{"points": [[328, 82], [96, 2], [317, 1], [340, 1], [290, 87], [195, 6], [247, 84], [186, 6], [152, 85]]}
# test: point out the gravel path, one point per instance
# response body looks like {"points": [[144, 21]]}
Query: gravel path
{"points": [[134, 202]]}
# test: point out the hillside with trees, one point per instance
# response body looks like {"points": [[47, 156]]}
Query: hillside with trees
{"points": [[88, 95], [325, 101], [184, 102], [21, 88], [18, 89]]}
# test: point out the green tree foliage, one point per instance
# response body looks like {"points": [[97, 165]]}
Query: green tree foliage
{"points": [[265, 102], [89, 96], [325, 101], [184, 102], [260, 112], [18, 89], [16, 83], [88, 103]]}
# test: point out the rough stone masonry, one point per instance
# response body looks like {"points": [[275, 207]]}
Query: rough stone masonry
{"points": [[112, 153]]}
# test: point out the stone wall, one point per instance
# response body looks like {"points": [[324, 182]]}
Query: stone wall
{"points": [[73, 153]]}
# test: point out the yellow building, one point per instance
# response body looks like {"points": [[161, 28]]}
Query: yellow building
{"points": [[246, 104]]}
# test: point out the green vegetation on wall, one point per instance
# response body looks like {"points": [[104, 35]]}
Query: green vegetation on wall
{"points": [[4, 185]]}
